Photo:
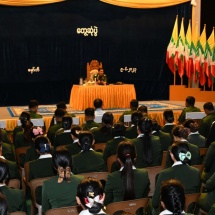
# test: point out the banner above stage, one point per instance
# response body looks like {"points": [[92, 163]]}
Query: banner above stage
{"points": [[145, 3]]}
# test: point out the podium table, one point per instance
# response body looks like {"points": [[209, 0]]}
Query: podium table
{"points": [[113, 96]]}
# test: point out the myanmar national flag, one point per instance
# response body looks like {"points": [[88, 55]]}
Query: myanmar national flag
{"points": [[180, 50], [188, 61], [199, 61], [171, 49], [212, 64]]}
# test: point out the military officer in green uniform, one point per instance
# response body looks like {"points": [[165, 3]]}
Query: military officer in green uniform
{"points": [[100, 78]]}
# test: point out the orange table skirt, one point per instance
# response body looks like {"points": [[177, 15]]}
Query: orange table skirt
{"points": [[113, 96]]}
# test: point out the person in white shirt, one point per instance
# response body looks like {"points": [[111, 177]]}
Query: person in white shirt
{"points": [[98, 103], [172, 197]]}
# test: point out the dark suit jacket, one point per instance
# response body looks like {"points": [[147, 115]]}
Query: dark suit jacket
{"points": [[131, 132], [165, 139], [90, 124], [7, 152], [63, 139], [206, 123], [73, 148], [196, 139], [114, 186], [99, 137]]}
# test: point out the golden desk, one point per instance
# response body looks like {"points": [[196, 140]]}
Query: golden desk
{"points": [[113, 96]]}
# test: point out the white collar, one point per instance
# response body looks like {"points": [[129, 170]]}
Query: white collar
{"points": [[117, 137], [45, 156], [2, 157], [67, 131], [183, 140], [132, 125], [177, 163], [133, 167], [140, 135], [76, 141], [2, 185], [89, 150], [169, 123], [193, 133], [165, 212], [153, 132]]}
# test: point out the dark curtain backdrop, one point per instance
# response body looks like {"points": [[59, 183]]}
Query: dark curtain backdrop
{"points": [[46, 37]]}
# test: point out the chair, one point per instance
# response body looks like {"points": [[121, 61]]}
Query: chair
{"points": [[163, 162], [152, 173], [100, 147], [201, 212], [38, 182], [203, 152], [190, 198], [199, 167], [14, 183], [111, 159], [97, 175], [74, 210], [18, 213], [94, 64], [130, 206]]}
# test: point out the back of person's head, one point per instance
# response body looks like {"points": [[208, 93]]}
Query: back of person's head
{"points": [[144, 126], [143, 109], [208, 106], [98, 103], [180, 151], [90, 193], [190, 101], [62, 105], [33, 103], [107, 118], [67, 122], [168, 115], [61, 161], [134, 104], [119, 129], [155, 125], [4, 171], [85, 140], [42, 144], [180, 131], [135, 117], [59, 112], [4, 209], [24, 117], [28, 131], [192, 125], [172, 196], [89, 112], [126, 153], [75, 130], [211, 136]]}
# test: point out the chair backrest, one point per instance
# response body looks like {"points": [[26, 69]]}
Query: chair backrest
{"points": [[99, 147], [94, 64], [199, 167], [195, 115], [18, 213], [19, 151], [74, 210], [97, 175], [203, 151], [34, 183], [26, 169], [152, 173], [14, 183], [111, 159], [191, 198], [130, 206], [163, 162], [2, 123]]}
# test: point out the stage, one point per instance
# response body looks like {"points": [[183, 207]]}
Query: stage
{"points": [[154, 112]]}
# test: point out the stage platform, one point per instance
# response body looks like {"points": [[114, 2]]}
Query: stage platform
{"points": [[155, 113]]}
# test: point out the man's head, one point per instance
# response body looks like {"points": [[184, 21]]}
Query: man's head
{"points": [[190, 101], [134, 104], [62, 105], [208, 107], [100, 71], [143, 109], [98, 103], [89, 114], [33, 105], [59, 113]]}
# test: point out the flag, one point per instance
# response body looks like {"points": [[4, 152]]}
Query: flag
{"points": [[208, 57], [195, 36], [212, 64], [180, 50], [171, 49], [199, 61], [188, 55]]}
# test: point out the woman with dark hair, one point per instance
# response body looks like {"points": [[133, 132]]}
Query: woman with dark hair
{"points": [[168, 121], [90, 195], [193, 135], [60, 191], [180, 133], [14, 197], [128, 183], [104, 133], [189, 176], [149, 151], [87, 160], [3, 206], [172, 197]]}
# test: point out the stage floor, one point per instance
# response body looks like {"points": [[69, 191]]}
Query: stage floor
{"points": [[11, 122]]}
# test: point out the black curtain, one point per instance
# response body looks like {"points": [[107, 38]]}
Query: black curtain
{"points": [[45, 37]]}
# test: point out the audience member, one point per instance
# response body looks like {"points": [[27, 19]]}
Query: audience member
{"points": [[211, 136], [133, 107], [189, 103], [60, 191], [172, 197], [144, 110], [4, 210], [128, 183], [131, 132], [33, 108], [168, 121], [104, 133], [98, 103], [87, 160], [90, 195], [89, 120], [207, 121], [14, 197], [149, 152], [193, 135], [187, 175]]}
